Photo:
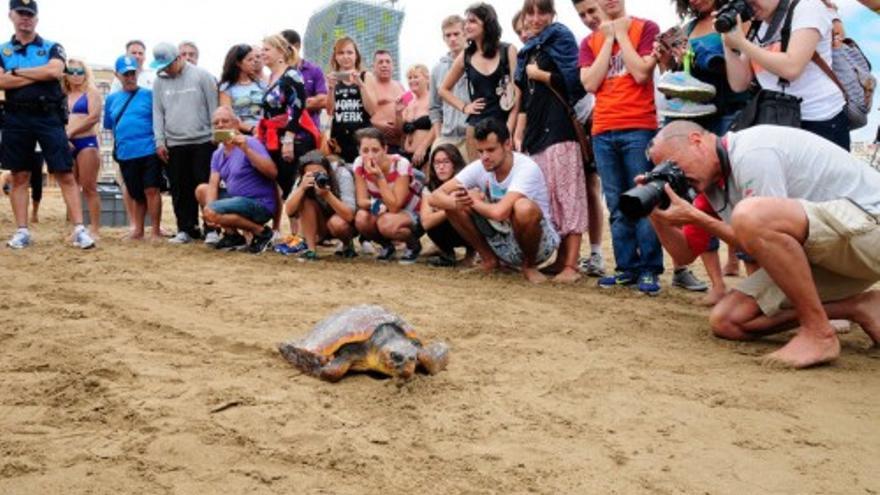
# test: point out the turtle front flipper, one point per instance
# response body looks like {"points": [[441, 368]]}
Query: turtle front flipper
{"points": [[335, 369], [302, 359], [434, 357]]}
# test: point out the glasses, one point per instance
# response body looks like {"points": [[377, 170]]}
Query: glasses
{"points": [[76, 72]]}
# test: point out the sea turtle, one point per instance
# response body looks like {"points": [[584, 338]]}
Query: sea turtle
{"points": [[364, 338]]}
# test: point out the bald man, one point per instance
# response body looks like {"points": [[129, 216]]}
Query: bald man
{"points": [[805, 209], [251, 197]]}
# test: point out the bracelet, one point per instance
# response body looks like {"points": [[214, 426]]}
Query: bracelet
{"points": [[463, 106]]}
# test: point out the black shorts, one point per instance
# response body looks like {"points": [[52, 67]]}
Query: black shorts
{"points": [[141, 174], [22, 132]]}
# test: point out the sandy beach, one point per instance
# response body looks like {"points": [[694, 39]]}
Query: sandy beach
{"points": [[153, 369]]}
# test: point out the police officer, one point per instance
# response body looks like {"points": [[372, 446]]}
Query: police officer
{"points": [[36, 112]]}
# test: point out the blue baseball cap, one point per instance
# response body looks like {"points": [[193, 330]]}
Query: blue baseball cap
{"points": [[164, 54], [125, 64]]}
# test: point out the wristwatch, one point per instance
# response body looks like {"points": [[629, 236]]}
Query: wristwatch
{"points": [[13, 72]]}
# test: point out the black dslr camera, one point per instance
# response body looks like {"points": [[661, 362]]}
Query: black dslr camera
{"points": [[322, 180], [725, 19], [640, 201]]}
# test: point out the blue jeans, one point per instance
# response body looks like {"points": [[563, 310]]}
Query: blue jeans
{"points": [[245, 207], [620, 157]]}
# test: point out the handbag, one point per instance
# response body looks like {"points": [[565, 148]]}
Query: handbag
{"points": [[768, 106], [118, 118]]}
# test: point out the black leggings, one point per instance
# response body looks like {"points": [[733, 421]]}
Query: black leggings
{"points": [[36, 168], [446, 237], [287, 169]]}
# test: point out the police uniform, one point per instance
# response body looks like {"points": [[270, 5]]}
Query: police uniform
{"points": [[36, 113]]}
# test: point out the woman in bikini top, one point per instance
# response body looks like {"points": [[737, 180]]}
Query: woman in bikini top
{"points": [[413, 115], [86, 105]]}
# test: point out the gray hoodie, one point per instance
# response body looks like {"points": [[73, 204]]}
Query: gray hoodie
{"points": [[453, 122], [183, 107]]}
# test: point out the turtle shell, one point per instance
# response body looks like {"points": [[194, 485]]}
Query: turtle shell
{"points": [[351, 325]]}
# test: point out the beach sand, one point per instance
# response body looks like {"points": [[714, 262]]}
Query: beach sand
{"points": [[136, 368]]}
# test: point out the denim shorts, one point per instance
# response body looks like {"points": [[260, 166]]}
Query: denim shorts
{"points": [[245, 207]]}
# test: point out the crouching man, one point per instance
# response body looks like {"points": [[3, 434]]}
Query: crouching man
{"points": [[251, 197], [499, 204], [805, 209]]}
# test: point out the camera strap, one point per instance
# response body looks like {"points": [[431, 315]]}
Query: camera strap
{"points": [[726, 170]]}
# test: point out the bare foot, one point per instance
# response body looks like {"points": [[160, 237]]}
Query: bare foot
{"points": [[533, 275], [35, 219], [568, 275], [805, 350], [95, 234], [712, 297], [156, 239], [867, 314], [132, 237]]}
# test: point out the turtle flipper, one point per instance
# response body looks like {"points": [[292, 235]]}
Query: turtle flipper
{"points": [[335, 369], [305, 361], [434, 357]]}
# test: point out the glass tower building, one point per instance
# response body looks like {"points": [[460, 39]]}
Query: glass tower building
{"points": [[372, 25]]}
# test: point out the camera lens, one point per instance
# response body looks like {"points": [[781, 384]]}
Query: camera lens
{"points": [[640, 201]]}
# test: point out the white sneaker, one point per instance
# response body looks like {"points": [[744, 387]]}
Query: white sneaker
{"points": [[82, 239], [212, 238], [594, 266], [367, 248], [20, 239], [181, 238]]}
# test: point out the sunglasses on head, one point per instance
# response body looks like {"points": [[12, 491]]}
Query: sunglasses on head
{"points": [[76, 72]]}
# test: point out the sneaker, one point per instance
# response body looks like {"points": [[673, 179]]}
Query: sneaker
{"points": [[261, 241], [594, 266], [619, 279], [387, 253], [685, 86], [307, 255], [82, 239], [367, 248], [346, 252], [411, 255], [230, 242], [212, 238], [686, 279], [443, 260], [181, 238], [20, 239], [291, 245], [649, 284], [682, 109]]}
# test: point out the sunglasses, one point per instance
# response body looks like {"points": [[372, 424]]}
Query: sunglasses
{"points": [[76, 72]]}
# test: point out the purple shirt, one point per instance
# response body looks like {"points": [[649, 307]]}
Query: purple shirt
{"points": [[313, 77], [240, 176]]}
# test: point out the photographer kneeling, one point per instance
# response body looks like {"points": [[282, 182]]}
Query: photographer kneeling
{"points": [[806, 210], [324, 202]]}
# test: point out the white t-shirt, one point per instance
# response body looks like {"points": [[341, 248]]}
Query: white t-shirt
{"points": [[822, 99], [784, 162], [525, 177]]}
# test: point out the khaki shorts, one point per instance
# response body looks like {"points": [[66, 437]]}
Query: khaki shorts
{"points": [[843, 248]]}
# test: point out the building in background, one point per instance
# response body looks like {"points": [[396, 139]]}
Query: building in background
{"points": [[373, 25]]}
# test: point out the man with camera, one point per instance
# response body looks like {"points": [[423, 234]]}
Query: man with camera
{"points": [[251, 197], [805, 209], [36, 112]]}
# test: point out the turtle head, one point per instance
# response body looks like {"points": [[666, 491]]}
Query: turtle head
{"points": [[396, 353]]}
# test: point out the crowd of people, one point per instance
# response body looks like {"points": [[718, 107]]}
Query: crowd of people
{"points": [[502, 157]]}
